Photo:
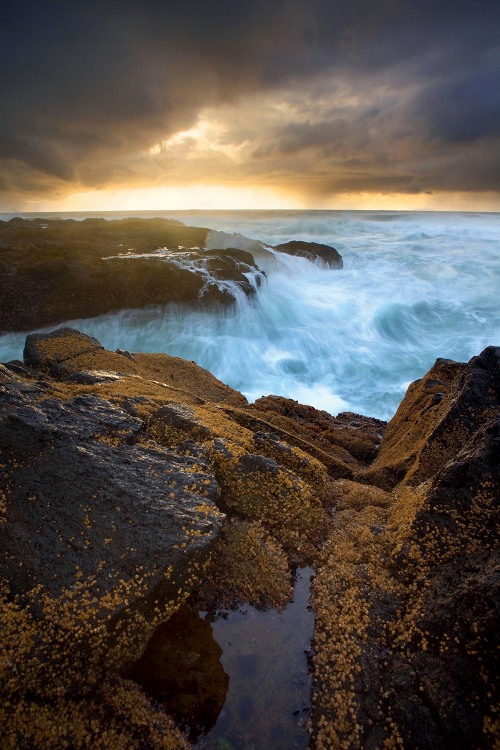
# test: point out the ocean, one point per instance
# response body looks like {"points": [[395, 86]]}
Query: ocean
{"points": [[414, 287]]}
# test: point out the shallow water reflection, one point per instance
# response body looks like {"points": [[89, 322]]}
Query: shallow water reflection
{"points": [[265, 656], [236, 682], [181, 669]]}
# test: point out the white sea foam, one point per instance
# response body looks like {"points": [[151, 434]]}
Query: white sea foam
{"points": [[414, 287]]}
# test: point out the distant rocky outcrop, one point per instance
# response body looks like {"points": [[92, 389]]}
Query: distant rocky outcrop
{"points": [[57, 270], [132, 483], [312, 251]]}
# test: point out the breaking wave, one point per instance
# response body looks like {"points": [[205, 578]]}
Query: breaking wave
{"points": [[414, 287]]}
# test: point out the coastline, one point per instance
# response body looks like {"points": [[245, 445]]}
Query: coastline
{"points": [[387, 612]]}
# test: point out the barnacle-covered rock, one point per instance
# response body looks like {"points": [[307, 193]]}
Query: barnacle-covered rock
{"points": [[437, 416], [345, 444], [409, 581], [174, 423], [247, 566], [65, 353], [117, 472], [43, 351], [260, 489]]}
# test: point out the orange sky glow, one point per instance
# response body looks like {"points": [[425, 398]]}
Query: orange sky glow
{"points": [[224, 197], [382, 107]]}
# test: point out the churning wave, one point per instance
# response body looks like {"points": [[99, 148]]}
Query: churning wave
{"points": [[414, 287]]}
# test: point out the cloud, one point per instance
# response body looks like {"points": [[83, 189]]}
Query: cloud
{"points": [[330, 96], [463, 105]]}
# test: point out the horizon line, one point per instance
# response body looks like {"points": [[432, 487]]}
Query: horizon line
{"points": [[15, 214]]}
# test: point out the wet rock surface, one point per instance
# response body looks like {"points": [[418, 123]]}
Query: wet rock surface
{"points": [[98, 501], [131, 482], [312, 251], [57, 270]]}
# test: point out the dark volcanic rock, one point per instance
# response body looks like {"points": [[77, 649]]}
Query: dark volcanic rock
{"points": [[84, 495], [74, 269], [228, 265], [463, 495], [115, 470], [451, 658], [437, 416], [312, 251], [408, 588], [349, 438]]}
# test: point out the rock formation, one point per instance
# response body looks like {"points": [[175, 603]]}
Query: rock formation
{"points": [[133, 482], [407, 593], [118, 470], [57, 270], [312, 251]]}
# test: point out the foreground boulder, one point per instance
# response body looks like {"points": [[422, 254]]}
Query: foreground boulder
{"points": [[103, 503]]}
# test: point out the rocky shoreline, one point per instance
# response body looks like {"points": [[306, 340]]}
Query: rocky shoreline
{"points": [[58, 270], [133, 485]]}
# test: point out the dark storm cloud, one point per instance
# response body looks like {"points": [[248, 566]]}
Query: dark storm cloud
{"points": [[86, 86], [465, 105]]}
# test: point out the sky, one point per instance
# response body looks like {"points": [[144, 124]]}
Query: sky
{"points": [[314, 104]]}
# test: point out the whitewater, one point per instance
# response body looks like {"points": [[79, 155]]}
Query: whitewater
{"points": [[414, 287]]}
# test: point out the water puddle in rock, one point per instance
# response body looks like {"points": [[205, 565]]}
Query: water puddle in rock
{"points": [[239, 682]]}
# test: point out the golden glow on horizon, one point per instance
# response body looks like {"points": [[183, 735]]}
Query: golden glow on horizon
{"points": [[224, 197], [185, 197], [405, 202]]}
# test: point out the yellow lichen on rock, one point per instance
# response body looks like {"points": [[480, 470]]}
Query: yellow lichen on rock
{"points": [[259, 489], [406, 550], [406, 634], [349, 567], [247, 565], [118, 716], [56, 647]]}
